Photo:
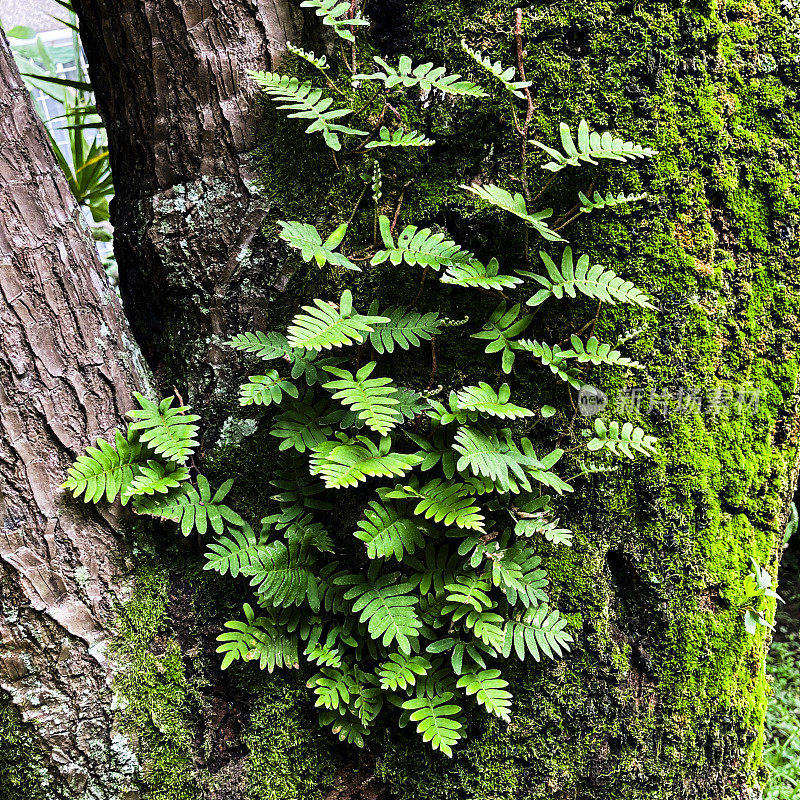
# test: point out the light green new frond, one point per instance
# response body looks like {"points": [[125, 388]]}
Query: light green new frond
{"points": [[373, 399], [485, 400], [537, 632], [194, 508], [505, 75], [303, 425], [595, 353], [399, 138], [515, 204], [589, 146], [233, 553], [500, 331], [268, 346], [333, 13], [258, 638], [104, 471], [425, 76], [623, 440], [284, 574], [326, 325], [609, 201], [490, 690], [450, 502], [401, 671], [388, 532], [320, 62], [484, 276], [487, 457], [388, 608], [306, 239], [551, 357], [305, 101], [262, 390], [156, 478], [517, 571], [418, 247], [437, 720], [404, 328], [168, 432], [533, 516], [596, 282], [333, 687], [353, 461]]}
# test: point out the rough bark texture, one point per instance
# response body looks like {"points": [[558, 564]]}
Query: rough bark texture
{"points": [[67, 370]]}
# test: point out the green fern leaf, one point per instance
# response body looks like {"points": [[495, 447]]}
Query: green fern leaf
{"points": [[304, 424], [233, 553], [388, 532], [467, 593], [306, 239], [538, 631], [487, 457], [502, 327], [552, 357], [333, 13], [490, 690], [373, 399], [399, 138], [265, 345], [436, 570], [515, 204], [156, 478], [404, 328], [437, 720], [484, 276], [168, 432], [401, 671], [258, 638], [590, 146], [424, 76], [320, 62], [505, 75], [104, 471], [262, 390], [298, 492], [443, 501], [284, 574], [418, 247], [623, 440], [596, 282], [609, 201], [485, 400], [595, 353]]}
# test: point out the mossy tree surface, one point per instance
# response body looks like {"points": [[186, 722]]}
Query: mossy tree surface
{"points": [[664, 694]]}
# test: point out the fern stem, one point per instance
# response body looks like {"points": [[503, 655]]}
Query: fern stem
{"points": [[330, 82], [421, 287], [433, 363], [528, 97], [399, 205], [358, 203], [544, 188]]}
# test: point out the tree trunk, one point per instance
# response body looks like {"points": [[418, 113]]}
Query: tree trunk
{"points": [[664, 695], [68, 367]]}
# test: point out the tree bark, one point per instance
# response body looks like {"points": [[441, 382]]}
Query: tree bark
{"points": [[68, 367]]}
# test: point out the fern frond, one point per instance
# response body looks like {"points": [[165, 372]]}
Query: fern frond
{"points": [[490, 690], [624, 440], [595, 353], [435, 449], [193, 508], [156, 478], [425, 76], [534, 517], [258, 638], [326, 325], [401, 671], [305, 101], [373, 399], [500, 330], [332, 13], [589, 146], [320, 62], [347, 726], [262, 390], [487, 457], [168, 432], [333, 687], [467, 592], [388, 532], [503, 74], [298, 491], [233, 553], [104, 471], [437, 720], [435, 570], [537, 632], [485, 400], [596, 282], [515, 204], [418, 247], [306, 239], [450, 502], [267, 346], [609, 201], [484, 276], [284, 574], [398, 138], [304, 424], [404, 328], [552, 357]]}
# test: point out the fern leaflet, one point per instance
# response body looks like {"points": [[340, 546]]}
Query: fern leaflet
{"points": [[373, 399], [443, 501], [623, 440], [156, 478], [266, 389], [404, 328], [484, 276], [258, 638], [332, 13], [167, 431], [306, 239], [505, 75], [538, 631], [401, 671], [490, 690], [485, 400], [388, 532], [425, 76], [499, 331], [398, 138], [437, 720], [609, 201], [233, 553]]}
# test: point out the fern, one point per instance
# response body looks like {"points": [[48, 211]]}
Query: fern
{"points": [[552, 357], [154, 477], [167, 431], [467, 593], [404, 328], [418, 247], [388, 533], [298, 491], [490, 690], [500, 330], [105, 471], [306, 239], [483, 276], [623, 440], [194, 508], [485, 456], [258, 638], [233, 553], [398, 138], [306, 102], [438, 568], [401, 671], [537, 632], [386, 606], [320, 62], [596, 282], [326, 325], [443, 501], [505, 75], [332, 13], [515, 204], [590, 146], [437, 720], [609, 201], [304, 424], [283, 574], [266, 389], [595, 353], [485, 400], [267, 346], [373, 399], [424, 76]]}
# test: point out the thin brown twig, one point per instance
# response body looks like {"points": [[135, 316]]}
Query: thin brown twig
{"points": [[399, 206], [544, 188], [358, 203], [375, 94], [421, 287], [433, 362], [528, 97]]}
